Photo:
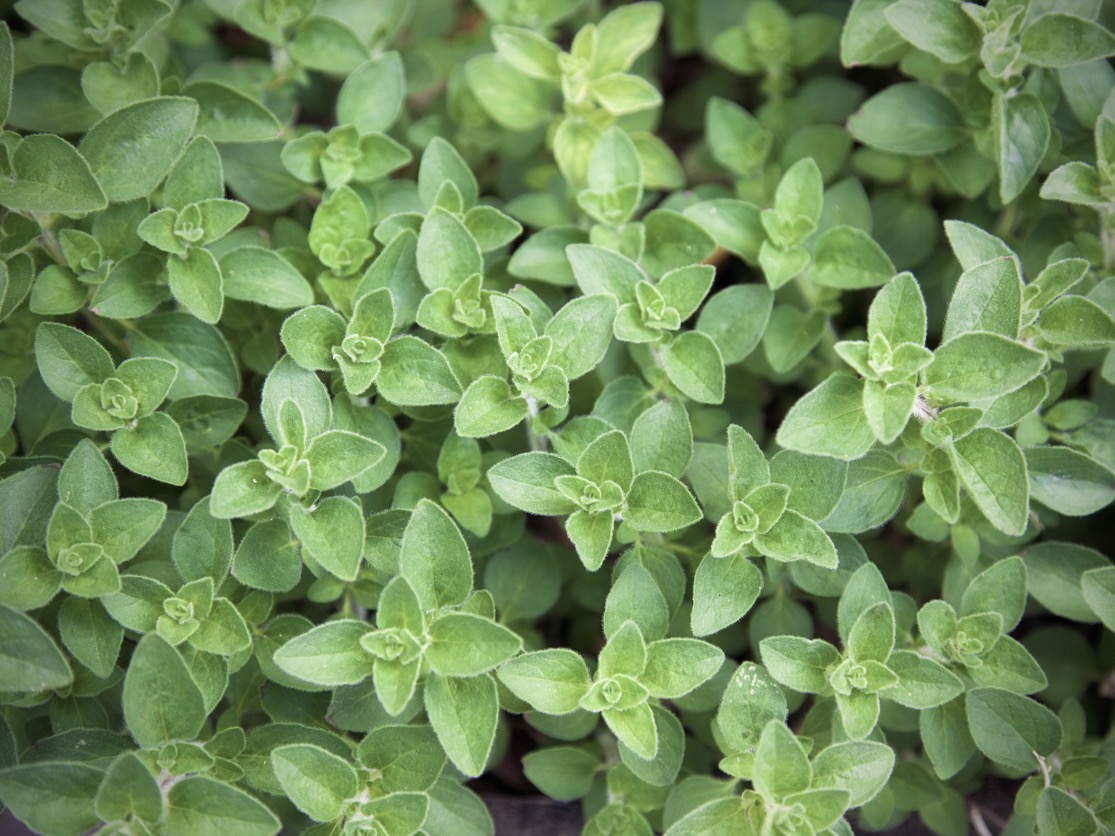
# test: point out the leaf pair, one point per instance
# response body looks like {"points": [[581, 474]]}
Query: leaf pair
{"points": [[407, 371], [122, 400], [601, 489], [631, 674], [540, 366]]}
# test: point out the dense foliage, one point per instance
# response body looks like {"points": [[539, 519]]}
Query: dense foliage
{"points": [[706, 409]]}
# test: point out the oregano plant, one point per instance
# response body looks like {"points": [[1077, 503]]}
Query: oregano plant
{"points": [[701, 414]]}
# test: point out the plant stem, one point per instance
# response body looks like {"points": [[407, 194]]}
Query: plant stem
{"points": [[538, 443], [978, 823]]}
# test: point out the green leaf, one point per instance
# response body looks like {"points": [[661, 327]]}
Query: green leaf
{"points": [[1009, 665], [29, 659], [197, 175], [372, 95], [52, 796], [1000, 588], [591, 535], [327, 44], [289, 382], [28, 579], [51, 176], [205, 363], [138, 604], [316, 781], [227, 115], [242, 490], [751, 700], [909, 119], [123, 526], [797, 663], [796, 537], [1055, 571], [408, 758], [1098, 588], [736, 139], [198, 804], [526, 481], [829, 421], [871, 637], [1023, 137], [636, 597], [859, 713], [339, 456], [153, 448], [735, 318], [195, 281], [223, 631], [414, 373], [527, 51], [898, 312], [1074, 182], [978, 365], [735, 225], [447, 252], [1077, 323], [435, 559], [1069, 482], [129, 789], [86, 479], [309, 336], [6, 69], [267, 559], [621, 94], [255, 172], [462, 644], [677, 666], [888, 408], [922, 682], [662, 439], [564, 773], [202, 545], [1062, 813], [599, 270], [1011, 729], [332, 534], [464, 714], [68, 359], [694, 365], [581, 333], [635, 728], [161, 700], [552, 681], [724, 590], [1062, 40], [948, 742], [488, 407], [849, 259], [329, 654], [657, 502], [256, 274], [865, 589], [719, 817], [992, 468], [513, 100], [607, 458], [790, 335], [624, 34], [781, 767], [132, 149], [988, 297], [938, 27]]}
